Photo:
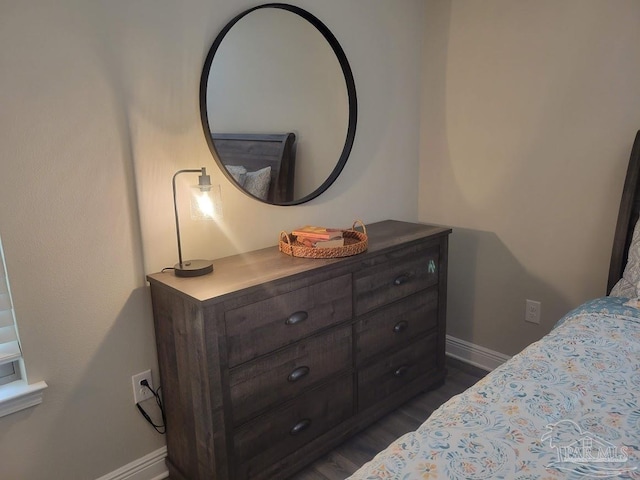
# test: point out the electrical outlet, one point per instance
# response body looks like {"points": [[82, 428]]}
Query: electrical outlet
{"points": [[532, 312], [140, 392]]}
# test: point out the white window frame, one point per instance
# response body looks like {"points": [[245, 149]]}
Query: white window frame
{"points": [[15, 392]]}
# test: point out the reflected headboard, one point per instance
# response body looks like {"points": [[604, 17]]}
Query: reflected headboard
{"points": [[255, 151], [627, 216]]}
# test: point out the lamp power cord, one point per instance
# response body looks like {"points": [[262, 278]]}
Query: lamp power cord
{"points": [[162, 428]]}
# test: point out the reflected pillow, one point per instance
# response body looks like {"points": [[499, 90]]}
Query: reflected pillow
{"points": [[257, 183], [627, 286], [238, 172]]}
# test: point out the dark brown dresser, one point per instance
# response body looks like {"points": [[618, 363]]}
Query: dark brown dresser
{"points": [[271, 361]]}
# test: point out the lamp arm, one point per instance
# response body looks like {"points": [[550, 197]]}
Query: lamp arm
{"points": [[175, 206]]}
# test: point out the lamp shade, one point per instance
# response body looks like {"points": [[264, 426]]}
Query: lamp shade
{"points": [[205, 202]]}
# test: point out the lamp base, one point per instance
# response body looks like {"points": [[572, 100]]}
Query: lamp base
{"points": [[193, 268]]}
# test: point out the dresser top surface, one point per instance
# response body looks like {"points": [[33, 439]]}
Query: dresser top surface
{"points": [[250, 269]]}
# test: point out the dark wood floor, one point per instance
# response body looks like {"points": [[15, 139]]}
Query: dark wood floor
{"points": [[355, 452], [351, 455]]}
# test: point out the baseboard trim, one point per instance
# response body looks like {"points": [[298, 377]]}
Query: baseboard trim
{"points": [[475, 355], [149, 467]]}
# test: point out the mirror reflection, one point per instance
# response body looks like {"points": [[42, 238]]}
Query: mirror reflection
{"points": [[277, 105]]}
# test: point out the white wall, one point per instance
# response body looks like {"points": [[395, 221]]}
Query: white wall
{"points": [[529, 110], [99, 109]]}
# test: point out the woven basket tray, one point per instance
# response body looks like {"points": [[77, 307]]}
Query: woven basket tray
{"points": [[355, 242]]}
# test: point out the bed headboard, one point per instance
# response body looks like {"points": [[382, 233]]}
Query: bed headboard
{"points": [[255, 151], [627, 216]]}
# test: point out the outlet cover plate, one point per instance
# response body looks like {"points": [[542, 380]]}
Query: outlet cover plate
{"points": [[532, 312], [140, 392]]}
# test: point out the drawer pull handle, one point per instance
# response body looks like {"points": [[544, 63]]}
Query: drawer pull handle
{"points": [[300, 427], [296, 318], [298, 373], [401, 371], [401, 279], [401, 326]]}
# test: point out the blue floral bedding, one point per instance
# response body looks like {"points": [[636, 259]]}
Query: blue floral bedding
{"points": [[567, 407]]}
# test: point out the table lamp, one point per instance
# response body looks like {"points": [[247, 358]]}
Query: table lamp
{"points": [[203, 206]]}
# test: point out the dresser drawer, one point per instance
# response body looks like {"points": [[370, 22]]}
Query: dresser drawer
{"points": [[396, 325], [385, 377], [395, 276], [276, 434], [261, 327], [278, 377]]}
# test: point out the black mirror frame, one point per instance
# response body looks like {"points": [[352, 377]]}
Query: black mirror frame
{"points": [[351, 93]]}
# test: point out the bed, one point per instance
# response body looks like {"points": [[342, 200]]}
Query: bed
{"points": [[568, 406], [263, 165]]}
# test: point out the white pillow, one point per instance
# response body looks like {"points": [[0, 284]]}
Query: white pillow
{"points": [[627, 286], [257, 183]]}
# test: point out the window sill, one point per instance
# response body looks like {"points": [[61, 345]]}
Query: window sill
{"points": [[18, 395]]}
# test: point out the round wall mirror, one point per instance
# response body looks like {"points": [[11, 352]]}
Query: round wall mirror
{"points": [[278, 104]]}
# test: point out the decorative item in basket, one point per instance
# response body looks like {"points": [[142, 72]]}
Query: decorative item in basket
{"points": [[320, 242]]}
